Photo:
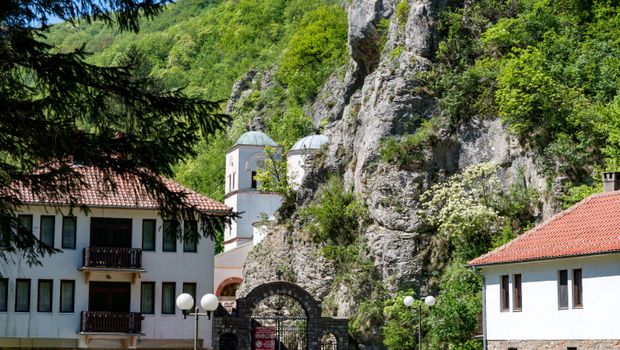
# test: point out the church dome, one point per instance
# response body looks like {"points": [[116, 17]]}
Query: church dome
{"points": [[310, 142], [256, 138]]}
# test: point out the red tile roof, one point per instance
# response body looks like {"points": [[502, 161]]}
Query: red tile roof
{"points": [[591, 226], [129, 193]]}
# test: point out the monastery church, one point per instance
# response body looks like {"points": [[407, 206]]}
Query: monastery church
{"points": [[243, 195]]}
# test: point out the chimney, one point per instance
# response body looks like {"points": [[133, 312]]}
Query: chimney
{"points": [[611, 181]]}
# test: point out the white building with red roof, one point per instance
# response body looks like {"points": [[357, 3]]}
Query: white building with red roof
{"points": [[557, 286], [115, 282]]}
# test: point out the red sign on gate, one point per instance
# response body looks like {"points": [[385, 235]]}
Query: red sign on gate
{"points": [[264, 338]]}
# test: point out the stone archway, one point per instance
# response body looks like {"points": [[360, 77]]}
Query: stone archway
{"points": [[316, 326]]}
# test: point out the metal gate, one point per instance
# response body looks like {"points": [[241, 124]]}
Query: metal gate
{"points": [[289, 332]]}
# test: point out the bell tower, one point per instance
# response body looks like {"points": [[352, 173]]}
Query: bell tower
{"points": [[241, 189]]}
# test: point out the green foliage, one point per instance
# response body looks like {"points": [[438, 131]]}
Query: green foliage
{"points": [[205, 46], [550, 69], [401, 322], [402, 12], [578, 193], [453, 323], [210, 160], [471, 208], [335, 216], [289, 126], [272, 177], [383, 28], [314, 51], [409, 149]]}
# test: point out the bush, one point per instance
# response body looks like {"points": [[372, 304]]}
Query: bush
{"points": [[454, 320], [335, 216], [408, 150]]}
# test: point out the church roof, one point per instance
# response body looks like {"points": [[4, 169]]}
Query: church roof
{"points": [[310, 142], [590, 227], [256, 138]]}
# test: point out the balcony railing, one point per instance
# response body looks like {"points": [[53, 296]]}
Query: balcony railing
{"points": [[111, 322], [112, 257]]}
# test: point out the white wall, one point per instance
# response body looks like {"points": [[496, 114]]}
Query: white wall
{"points": [[230, 263], [161, 267], [540, 318], [252, 204]]}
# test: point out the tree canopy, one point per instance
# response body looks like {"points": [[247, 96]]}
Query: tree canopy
{"points": [[59, 110]]}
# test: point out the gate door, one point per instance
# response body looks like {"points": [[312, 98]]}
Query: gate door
{"points": [[278, 332]]}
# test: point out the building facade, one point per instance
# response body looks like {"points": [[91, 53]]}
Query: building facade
{"points": [[556, 286], [115, 282]]}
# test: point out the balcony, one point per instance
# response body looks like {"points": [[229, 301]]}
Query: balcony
{"points": [[101, 322], [112, 259], [107, 325]]}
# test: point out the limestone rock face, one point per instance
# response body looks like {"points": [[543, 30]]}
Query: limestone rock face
{"points": [[379, 97]]}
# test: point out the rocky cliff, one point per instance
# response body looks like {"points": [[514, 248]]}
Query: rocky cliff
{"points": [[380, 97]]}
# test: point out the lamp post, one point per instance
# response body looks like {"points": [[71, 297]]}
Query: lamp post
{"points": [[208, 302], [429, 301]]}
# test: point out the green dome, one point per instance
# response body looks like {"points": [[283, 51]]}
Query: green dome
{"points": [[256, 138]]}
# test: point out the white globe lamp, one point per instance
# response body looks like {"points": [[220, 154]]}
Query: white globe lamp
{"points": [[430, 300], [408, 301], [209, 302], [185, 302]]}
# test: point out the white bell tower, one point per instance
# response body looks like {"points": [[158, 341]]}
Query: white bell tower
{"points": [[241, 192]]}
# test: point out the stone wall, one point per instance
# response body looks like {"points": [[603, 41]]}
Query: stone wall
{"points": [[598, 344]]}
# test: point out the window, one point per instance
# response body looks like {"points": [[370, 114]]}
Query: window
{"points": [[4, 294], [47, 230], [147, 300], [69, 226], [562, 289], [67, 295], [233, 180], [190, 288], [5, 231], [571, 348], [44, 296], [577, 289], [25, 222], [167, 297], [516, 292], [22, 295], [254, 184], [504, 296], [110, 232], [169, 237], [148, 235], [191, 234], [512, 348]]}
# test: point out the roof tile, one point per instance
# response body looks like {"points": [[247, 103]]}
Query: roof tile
{"points": [[129, 193]]}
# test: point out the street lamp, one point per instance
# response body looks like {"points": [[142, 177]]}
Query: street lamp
{"points": [[208, 302], [429, 301]]}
